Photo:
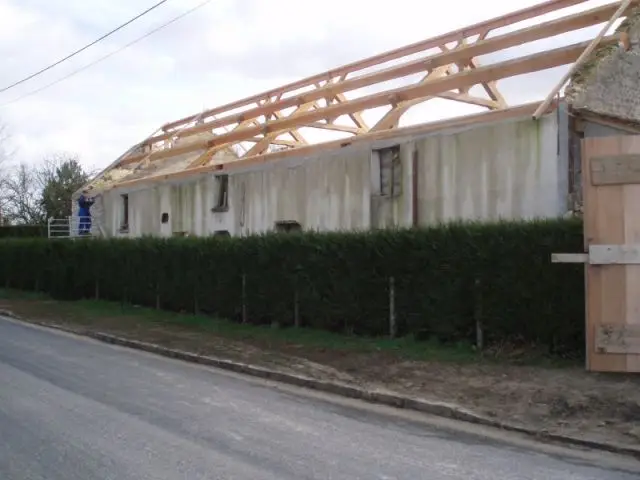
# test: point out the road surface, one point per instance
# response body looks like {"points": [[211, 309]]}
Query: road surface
{"points": [[75, 409]]}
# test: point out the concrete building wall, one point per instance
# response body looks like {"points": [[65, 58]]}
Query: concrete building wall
{"points": [[510, 169], [330, 193]]}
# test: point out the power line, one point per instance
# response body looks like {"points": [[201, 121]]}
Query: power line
{"points": [[75, 72], [153, 7]]}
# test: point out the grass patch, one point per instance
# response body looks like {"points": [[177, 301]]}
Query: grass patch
{"points": [[92, 313]]}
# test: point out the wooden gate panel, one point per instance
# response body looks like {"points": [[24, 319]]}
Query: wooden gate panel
{"points": [[612, 217]]}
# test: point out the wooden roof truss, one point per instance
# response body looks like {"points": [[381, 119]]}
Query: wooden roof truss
{"points": [[448, 69]]}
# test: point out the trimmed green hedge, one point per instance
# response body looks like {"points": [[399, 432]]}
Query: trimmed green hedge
{"points": [[445, 277], [23, 231]]}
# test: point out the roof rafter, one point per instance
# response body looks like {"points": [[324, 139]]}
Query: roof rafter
{"points": [[531, 63]]}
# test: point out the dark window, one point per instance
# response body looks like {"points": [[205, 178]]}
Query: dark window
{"points": [[124, 225], [165, 218], [390, 171], [288, 226], [222, 193], [221, 233]]}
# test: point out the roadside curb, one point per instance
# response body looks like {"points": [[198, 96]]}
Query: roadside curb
{"points": [[381, 398]]}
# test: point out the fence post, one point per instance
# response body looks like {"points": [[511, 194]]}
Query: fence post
{"points": [[123, 302], [296, 307], [393, 327], [244, 298], [477, 313]]}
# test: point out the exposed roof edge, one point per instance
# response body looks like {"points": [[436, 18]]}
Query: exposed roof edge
{"points": [[606, 120], [90, 184], [521, 111]]}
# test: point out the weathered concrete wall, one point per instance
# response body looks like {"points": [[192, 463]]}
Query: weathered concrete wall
{"points": [[510, 169], [320, 194]]}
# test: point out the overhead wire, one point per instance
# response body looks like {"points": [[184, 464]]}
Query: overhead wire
{"points": [[105, 57], [71, 55]]}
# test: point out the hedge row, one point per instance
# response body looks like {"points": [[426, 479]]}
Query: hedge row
{"points": [[23, 231], [445, 279]]}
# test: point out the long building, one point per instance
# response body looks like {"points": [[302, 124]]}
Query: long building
{"points": [[249, 166]]}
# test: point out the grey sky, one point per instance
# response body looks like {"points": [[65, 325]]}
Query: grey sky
{"points": [[229, 49]]}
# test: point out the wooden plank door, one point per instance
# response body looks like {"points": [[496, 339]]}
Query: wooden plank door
{"points": [[611, 189]]}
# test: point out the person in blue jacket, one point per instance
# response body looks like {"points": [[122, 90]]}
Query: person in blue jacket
{"points": [[84, 212]]}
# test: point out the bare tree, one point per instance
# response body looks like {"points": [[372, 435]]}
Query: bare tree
{"points": [[22, 196], [18, 187], [4, 159], [31, 193]]}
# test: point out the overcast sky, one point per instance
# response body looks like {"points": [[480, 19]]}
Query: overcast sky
{"points": [[227, 50]]}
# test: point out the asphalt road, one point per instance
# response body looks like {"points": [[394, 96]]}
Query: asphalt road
{"points": [[75, 409]]}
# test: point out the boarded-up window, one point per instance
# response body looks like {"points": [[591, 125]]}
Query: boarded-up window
{"points": [[222, 193], [288, 226], [390, 171]]}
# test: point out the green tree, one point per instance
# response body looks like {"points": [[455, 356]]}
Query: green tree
{"points": [[60, 177]]}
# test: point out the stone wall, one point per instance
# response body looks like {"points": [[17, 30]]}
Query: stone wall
{"points": [[608, 83]]}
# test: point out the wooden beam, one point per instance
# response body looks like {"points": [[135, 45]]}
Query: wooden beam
{"points": [[277, 141], [206, 156], [261, 145], [481, 28], [624, 6], [609, 122], [356, 117], [614, 338], [602, 255], [210, 152], [481, 47], [614, 254], [391, 119], [335, 127], [295, 134], [569, 258], [471, 100], [615, 170], [510, 68], [132, 159]]}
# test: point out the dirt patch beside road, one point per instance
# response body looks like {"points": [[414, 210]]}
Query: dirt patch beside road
{"points": [[565, 400]]}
